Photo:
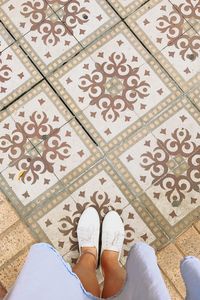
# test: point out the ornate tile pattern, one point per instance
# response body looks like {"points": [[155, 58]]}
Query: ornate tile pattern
{"points": [[100, 106], [189, 10], [126, 7], [161, 165], [34, 167], [21, 16], [118, 84], [169, 36], [49, 44], [18, 74], [86, 20], [101, 188]]}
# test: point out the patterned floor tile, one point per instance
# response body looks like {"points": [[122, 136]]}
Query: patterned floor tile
{"points": [[57, 4], [189, 10], [18, 74], [86, 20], [39, 114], [70, 151], [101, 188], [170, 38], [65, 154], [194, 96], [29, 181], [11, 144], [116, 73], [49, 43], [126, 7], [21, 16], [162, 166]]}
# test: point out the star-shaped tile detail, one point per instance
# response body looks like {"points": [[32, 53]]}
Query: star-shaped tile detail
{"points": [[82, 194], [48, 223], [129, 158], [81, 153], [102, 180], [183, 118], [26, 195], [173, 214]]}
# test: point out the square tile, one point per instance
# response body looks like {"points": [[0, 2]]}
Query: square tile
{"points": [[49, 44], [189, 10], [18, 74], [101, 188], [34, 175], [70, 151], [19, 237], [118, 83], [168, 35], [87, 20], [29, 181], [39, 113], [8, 215], [160, 165], [126, 7], [21, 16], [29, 121], [10, 271], [194, 96], [169, 261]]}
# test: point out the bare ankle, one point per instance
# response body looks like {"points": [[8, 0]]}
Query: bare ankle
{"points": [[109, 260]]}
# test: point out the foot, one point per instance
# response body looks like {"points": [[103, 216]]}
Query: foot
{"points": [[112, 237], [88, 232]]}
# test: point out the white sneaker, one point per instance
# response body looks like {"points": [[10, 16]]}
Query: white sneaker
{"points": [[88, 229], [112, 233]]}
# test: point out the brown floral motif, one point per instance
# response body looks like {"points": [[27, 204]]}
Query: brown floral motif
{"points": [[114, 86], [14, 145], [173, 26], [101, 202], [174, 165], [5, 73], [52, 30]]}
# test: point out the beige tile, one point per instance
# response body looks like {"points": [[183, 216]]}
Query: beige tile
{"points": [[14, 241], [172, 291], [197, 225], [169, 260], [9, 273], [189, 242], [8, 215]]}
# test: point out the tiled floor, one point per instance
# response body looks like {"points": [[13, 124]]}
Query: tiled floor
{"points": [[99, 106]]}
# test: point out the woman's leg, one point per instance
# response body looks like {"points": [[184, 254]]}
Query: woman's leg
{"points": [[85, 269], [114, 274], [190, 270]]}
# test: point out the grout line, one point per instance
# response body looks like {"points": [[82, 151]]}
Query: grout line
{"points": [[13, 258]]}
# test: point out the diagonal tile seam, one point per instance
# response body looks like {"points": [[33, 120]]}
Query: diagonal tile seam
{"points": [[11, 43], [171, 283], [25, 249], [9, 230]]}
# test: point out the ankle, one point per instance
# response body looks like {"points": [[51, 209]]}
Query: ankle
{"points": [[109, 260]]}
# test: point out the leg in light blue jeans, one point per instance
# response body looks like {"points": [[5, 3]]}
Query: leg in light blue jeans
{"points": [[190, 270]]}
